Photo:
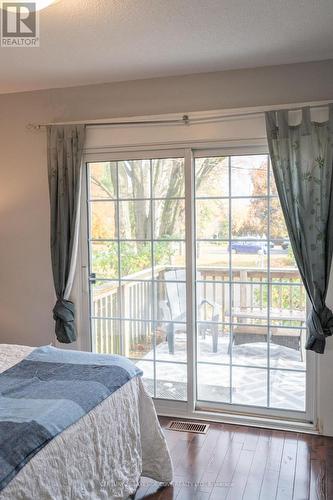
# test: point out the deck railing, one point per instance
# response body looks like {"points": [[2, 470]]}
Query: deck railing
{"points": [[132, 333]]}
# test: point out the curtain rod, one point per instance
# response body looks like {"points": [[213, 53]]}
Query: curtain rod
{"points": [[184, 120]]}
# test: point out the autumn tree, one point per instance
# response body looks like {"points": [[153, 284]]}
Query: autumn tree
{"points": [[255, 219], [133, 178]]}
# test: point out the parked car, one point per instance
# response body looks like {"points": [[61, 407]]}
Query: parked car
{"points": [[256, 247], [281, 242]]}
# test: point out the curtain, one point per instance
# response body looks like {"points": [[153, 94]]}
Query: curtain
{"points": [[302, 160], [64, 148]]}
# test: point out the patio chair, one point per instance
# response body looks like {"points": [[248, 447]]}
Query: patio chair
{"points": [[173, 309]]}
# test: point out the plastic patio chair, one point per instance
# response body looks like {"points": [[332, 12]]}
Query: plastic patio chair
{"points": [[173, 310]]}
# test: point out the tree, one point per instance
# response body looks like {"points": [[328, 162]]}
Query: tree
{"points": [[254, 221], [133, 178], [133, 181]]}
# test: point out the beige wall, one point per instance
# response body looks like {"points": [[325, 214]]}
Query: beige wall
{"points": [[26, 290]]}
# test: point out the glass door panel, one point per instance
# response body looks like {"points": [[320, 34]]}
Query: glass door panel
{"points": [[250, 302], [136, 212]]}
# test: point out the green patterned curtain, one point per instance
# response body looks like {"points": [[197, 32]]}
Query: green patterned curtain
{"points": [[65, 149], [302, 160]]}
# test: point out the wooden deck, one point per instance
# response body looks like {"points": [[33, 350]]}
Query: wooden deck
{"points": [[237, 462], [135, 292]]}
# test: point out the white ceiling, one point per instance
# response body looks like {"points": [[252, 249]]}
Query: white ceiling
{"points": [[94, 41]]}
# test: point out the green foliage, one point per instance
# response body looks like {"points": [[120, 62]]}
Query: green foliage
{"points": [[105, 260], [134, 257], [290, 259], [163, 252], [282, 296]]}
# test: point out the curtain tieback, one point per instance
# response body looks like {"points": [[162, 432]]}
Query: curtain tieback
{"points": [[320, 326], [64, 314]]}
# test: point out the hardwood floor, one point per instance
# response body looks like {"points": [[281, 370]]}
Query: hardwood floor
{"points": [[236, 462]]}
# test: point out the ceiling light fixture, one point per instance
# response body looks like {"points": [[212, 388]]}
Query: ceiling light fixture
{"points": [[42, 4], [36, 4]]}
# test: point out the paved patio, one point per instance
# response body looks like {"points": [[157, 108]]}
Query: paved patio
{"points": [[249, 382]]}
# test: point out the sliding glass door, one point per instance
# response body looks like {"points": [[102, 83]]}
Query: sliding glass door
{"points": [[192, 276], [251, 304]]}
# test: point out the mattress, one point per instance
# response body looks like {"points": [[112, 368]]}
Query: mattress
{"points": [[100, 457]]}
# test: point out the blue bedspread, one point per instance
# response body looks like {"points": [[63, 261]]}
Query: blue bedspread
{"points": [[47, 392]]}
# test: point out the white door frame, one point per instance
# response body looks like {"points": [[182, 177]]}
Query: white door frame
{"points": [[284, 419]]}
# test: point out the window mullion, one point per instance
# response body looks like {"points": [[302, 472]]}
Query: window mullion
{"points": [[231, 287], [190, 281], [269, 286], [153, 287]]}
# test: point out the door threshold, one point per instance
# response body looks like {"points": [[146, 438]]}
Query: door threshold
{"points": [[274, 423]]}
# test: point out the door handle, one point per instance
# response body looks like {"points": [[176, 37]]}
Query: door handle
{"points": [[92, 278]]}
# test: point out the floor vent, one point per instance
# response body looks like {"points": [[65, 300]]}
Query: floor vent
{"points": [[177, 425]]}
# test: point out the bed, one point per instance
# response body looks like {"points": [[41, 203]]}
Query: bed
{"points": [[100, 457]]}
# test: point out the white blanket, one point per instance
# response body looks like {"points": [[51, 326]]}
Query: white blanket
{"points": [[100, 457]]}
